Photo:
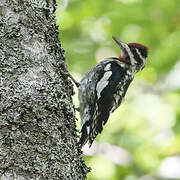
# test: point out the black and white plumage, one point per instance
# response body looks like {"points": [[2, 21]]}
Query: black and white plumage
{"points": [[103, 88]]}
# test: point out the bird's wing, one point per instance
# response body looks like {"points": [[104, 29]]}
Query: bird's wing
{"points": [[110, 90], [87, 99]]}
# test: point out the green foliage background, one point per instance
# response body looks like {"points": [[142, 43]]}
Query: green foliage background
{"points": [[147, 125]]}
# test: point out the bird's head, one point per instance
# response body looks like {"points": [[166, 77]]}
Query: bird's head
{"points": [[133, 53]]}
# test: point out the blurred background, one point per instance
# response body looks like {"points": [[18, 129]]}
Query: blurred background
{"points": [[141, 140]]}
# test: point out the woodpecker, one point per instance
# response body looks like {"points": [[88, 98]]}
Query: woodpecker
{"points": [[103, 88]]}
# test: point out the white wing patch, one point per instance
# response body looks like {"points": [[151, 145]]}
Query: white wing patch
{"points": [[108, 67], [103, 82]]}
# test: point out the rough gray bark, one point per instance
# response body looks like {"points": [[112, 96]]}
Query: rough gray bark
{"points": [[37, 119]]}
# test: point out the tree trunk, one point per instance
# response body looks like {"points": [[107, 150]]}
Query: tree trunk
{"points": [[37, 119]]}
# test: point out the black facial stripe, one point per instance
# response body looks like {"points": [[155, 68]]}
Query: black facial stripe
{"points": [[143, 52], [137, 56]]}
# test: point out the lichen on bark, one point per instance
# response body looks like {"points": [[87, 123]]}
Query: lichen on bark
{"points": [[37, 120]]}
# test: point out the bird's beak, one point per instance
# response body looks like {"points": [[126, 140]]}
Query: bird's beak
{"points": [[120, 43], [124, 55]]}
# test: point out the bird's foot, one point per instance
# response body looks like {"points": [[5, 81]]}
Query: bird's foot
{"points": [[77, 109]]}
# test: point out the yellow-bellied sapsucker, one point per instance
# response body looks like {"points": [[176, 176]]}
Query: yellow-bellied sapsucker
{"points": [[104, 86]]}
